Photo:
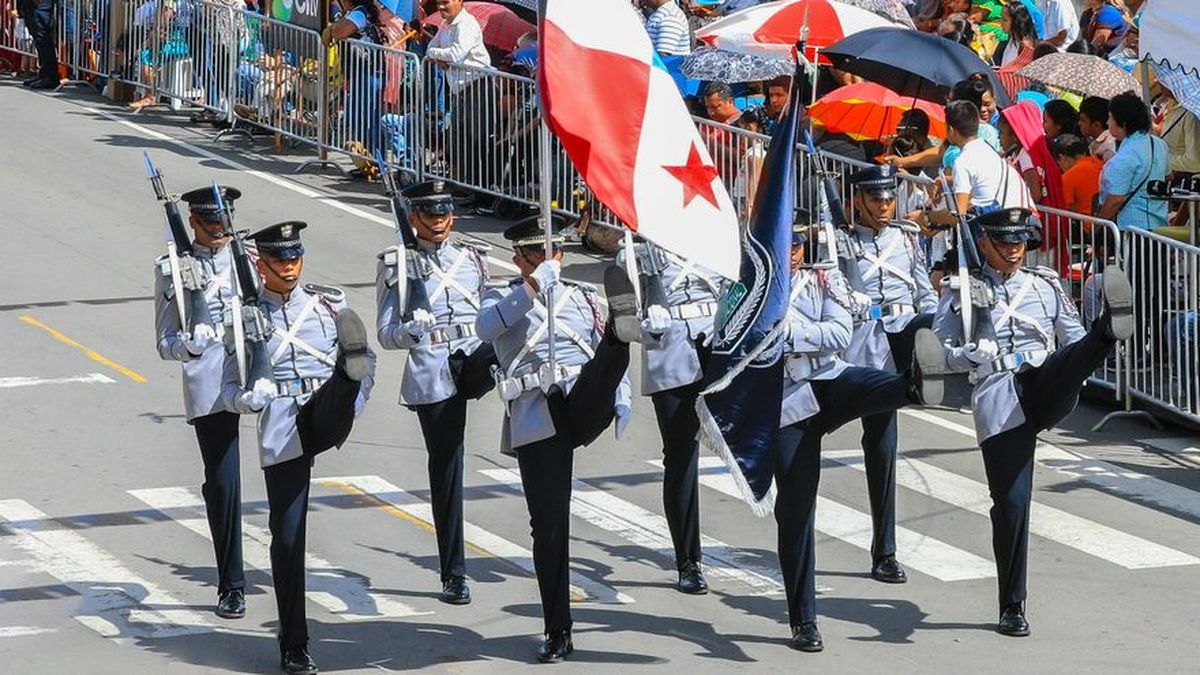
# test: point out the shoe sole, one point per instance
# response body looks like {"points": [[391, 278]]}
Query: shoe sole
{"points": [[352, 340], [1014, 633], [622, 304], [698, 591], [889, 580], [454, 601], [1118, 298], [557, 659], [930, 356], [231, 615], [809, 649]]}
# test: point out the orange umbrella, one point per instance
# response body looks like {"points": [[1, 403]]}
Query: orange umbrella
{"points": [[870, 111]]}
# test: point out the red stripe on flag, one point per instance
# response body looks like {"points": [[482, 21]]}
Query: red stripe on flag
{"points": [[595, 102]]}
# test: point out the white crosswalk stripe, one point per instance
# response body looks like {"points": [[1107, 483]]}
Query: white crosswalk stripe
{"points": [[918, 551], [1101, 541], [475, 537], [645, 528], [90, 378], [343, 593], [116, 602]]}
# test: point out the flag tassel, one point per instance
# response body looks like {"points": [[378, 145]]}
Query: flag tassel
{"points": [[711, 438]]}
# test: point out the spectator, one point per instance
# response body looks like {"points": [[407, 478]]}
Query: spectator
{"points": [[1140, 158], [978, 90], [722, 145], [1080, 172], [1181, 132], [1023, 138], [776, 101], [668, 28], [1107, 26], [39, 18], [459, 43], [1093, 122], [718, 102], [1062, 24], [1022, 35], [983, 181], [1058, 117], [750, 165]]}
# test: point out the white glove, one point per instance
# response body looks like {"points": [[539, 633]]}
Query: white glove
{"points": [[422, 322], [547, 274], [981, 352], [861, 301], [260, 396], [621, 413], [657, 320], [203, 336]]}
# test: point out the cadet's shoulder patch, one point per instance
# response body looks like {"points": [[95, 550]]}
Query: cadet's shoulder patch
{"points": [[330, 293], [388, 255], [1044, 272], [163, 263], [481, 247], [905, 226], [583, 286]]}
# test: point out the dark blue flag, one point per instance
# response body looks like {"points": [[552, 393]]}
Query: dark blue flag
{"points": [[743, 393]]}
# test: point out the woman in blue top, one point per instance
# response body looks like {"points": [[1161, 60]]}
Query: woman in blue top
{"points": [[1107, 27], [367, 21], [1141, 158]]}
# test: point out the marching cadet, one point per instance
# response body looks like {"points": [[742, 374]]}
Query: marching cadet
{"points": [[821, 393], [322, 373], [447, 364], [679, 306], [551, 410], [1026, 379], [896, 278], [203, 358]]}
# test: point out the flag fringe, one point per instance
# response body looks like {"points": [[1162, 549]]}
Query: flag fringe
{"points": [[710, 437]]}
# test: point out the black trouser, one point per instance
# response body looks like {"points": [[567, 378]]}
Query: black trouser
{"points": [[287, 496], [323, 422], [546, 472], [675, 410], [1048, 394], [854, 393], [442, 426], [879, 439], [39, 17], [217, 435]]}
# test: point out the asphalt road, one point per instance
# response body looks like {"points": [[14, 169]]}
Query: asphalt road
{"points": [[105, 568]]}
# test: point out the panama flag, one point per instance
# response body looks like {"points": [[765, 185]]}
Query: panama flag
{"points": [[612, 103]]}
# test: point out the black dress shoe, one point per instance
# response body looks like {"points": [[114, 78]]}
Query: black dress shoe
{"points": [[887, 570], [455, 592], [297, 661], [232, 604], [1012, 621], [691, 579], [44, 84], [556, 647], [30, 80], [807, 638], [352, 343]]}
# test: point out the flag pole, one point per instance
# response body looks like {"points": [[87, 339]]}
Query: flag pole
{"points": [[544, 169]]}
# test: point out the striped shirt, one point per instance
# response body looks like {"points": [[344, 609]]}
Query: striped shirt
{"points": [[668, 29]]}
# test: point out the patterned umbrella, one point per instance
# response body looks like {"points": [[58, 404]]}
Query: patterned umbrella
{"points": [[892, 9], [719, 65], [1183, 85], [501, 26], [772, 29], [869, 111], [1082, 74], [526, 9]]}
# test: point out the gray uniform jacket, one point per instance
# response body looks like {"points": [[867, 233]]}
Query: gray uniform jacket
{"points": [[1032, 313], [818, 330], [670, 360], [201, 374], [897, 280], [303, 350], [513, 320], [455, 279]]}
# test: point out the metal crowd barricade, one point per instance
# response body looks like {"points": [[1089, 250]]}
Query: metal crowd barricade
{"points": [[80, 34], [137, 51], [276, 82], [14, 37], [196, 63], [373, 102], [1164, 357], [463, 119]]}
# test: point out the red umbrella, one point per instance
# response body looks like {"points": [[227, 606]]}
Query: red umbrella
{"points": [[772, 29], [869, 111], [501, 26]]}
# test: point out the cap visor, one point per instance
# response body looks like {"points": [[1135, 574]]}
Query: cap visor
{"points": [[290, 253], [436, 209]]}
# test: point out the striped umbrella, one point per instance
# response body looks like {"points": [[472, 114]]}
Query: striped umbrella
{"points": [[870, 111], [1081, 73], [772, 29], [1184, 86]]}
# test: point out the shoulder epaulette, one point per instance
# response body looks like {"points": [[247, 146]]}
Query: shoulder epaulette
{"points": [[474, 244], [388, 254], [1047, 273], [163, 263], [582, 285], [330, 293]]}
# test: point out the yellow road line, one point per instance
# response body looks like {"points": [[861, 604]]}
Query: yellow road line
{"points": [[90, 353]]}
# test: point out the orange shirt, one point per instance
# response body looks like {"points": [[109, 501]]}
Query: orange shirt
{"points": [[1081, 183]]}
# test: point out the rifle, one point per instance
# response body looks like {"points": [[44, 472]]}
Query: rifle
{"points": [[974, 293], [187, 275], [832, 213], [251, 327], [410, 282]]}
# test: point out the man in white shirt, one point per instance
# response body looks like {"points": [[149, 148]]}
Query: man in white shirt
{"points": [[459, 52], [667, 26], [982, 178], [1061, 22]]}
